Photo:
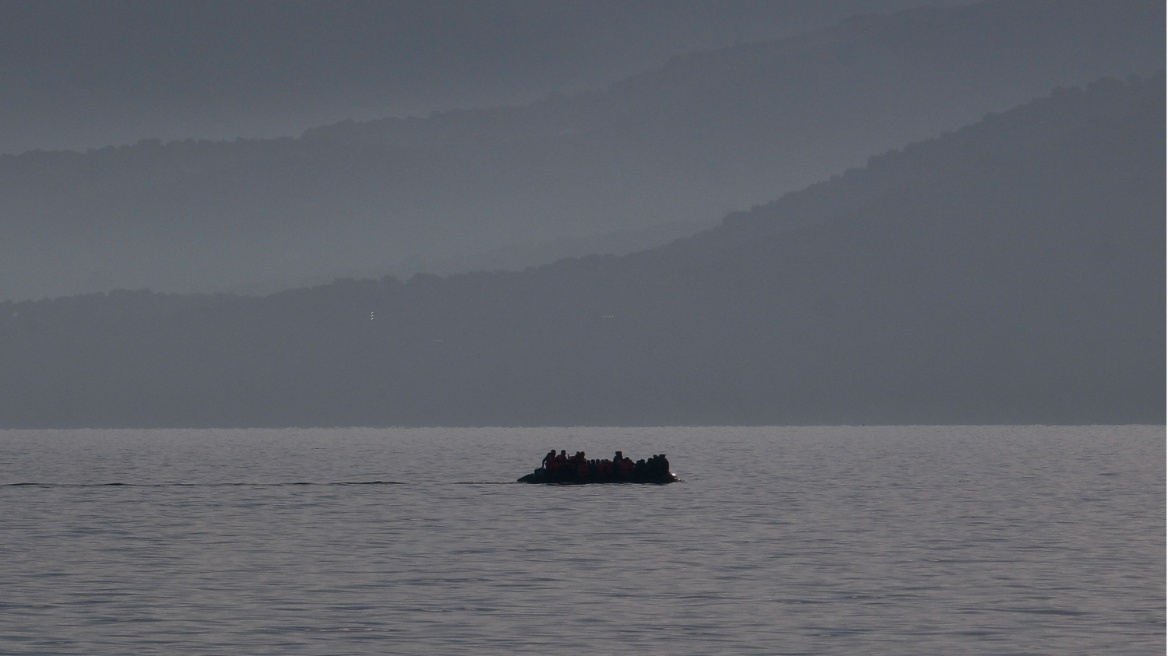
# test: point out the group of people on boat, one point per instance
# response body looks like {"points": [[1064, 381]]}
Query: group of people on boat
{"points": [[578, 468]]}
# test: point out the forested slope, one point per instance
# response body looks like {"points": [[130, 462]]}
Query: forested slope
{"points": [[1010, 272]]}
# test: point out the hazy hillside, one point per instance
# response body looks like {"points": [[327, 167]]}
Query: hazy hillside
{"points": [[657, 154], [1012, 271]]}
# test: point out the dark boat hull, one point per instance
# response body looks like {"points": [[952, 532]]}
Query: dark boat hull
{"points": [[542, 477]]}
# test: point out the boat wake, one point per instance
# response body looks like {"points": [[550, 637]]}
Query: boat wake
{"points": [[227, 484], [35, 484]]}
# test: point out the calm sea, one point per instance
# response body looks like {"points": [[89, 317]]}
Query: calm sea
{"points": [[856, 540]]}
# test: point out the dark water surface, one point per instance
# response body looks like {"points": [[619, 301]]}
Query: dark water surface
{"points": [[892, 540]]}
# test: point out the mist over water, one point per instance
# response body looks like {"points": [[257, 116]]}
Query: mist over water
{"points": [[831, 540]]}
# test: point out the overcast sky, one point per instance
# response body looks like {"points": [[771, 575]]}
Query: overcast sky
{"points": [[82, 74]]}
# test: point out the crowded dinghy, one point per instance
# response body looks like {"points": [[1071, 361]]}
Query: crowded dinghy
{"points": [[561, 468]]}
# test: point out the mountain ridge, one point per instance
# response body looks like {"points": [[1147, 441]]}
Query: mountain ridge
{"points": [[1009, 272], [701, 136]]}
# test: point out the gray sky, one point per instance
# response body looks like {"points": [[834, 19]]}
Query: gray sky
{"points": [[84, 74]]}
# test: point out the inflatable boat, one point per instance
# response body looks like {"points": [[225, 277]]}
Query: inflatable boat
{"points": [[563, 469]]}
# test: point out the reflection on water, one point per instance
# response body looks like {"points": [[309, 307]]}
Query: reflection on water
{"points": [[888, 540]]}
